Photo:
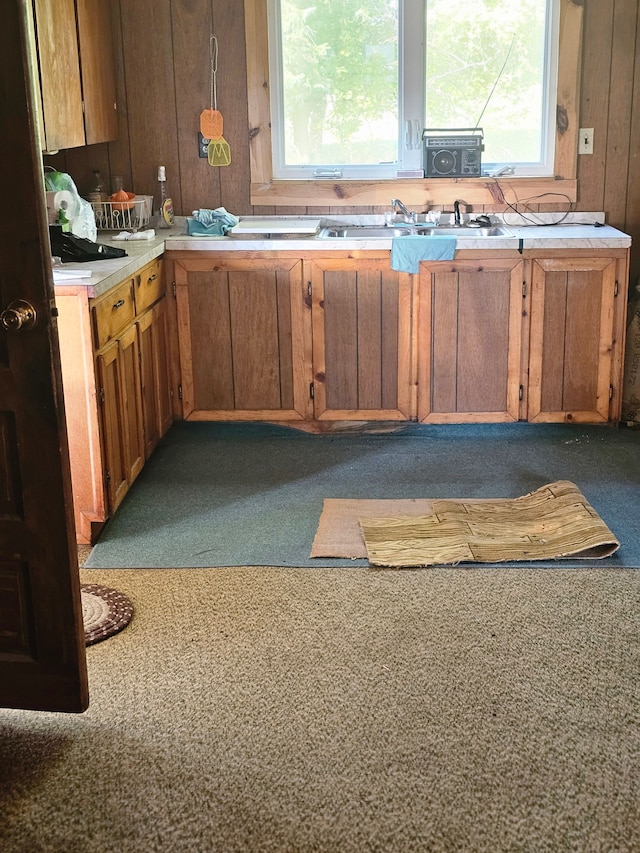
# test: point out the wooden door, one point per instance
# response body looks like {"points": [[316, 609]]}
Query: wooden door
{"points": [[573, 303], [42, 649], [244, 339], [362, 357], [469, 341]]}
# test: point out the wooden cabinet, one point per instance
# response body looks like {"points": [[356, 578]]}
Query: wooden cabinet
{"points": [[488, 337], [362, 354], [540, 339], [118, 373], [282, 339], [244, 339], [114, 354], [156, 396], [74, 58], [573, 313], [469, 341]]}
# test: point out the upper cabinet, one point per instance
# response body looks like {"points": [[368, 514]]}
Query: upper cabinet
{"points": [[74, 56]]}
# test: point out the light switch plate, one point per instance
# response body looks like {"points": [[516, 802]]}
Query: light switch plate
{"points": [[585, 144]]}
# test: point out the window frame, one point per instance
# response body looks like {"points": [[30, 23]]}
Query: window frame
{"points": [[337, 192]]}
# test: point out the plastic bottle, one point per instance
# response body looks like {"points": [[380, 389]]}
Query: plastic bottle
{"points": [[165, 207], [96, 191]]}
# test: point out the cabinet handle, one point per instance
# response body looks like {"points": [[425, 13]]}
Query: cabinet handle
{"points": [[118, 304], [152, 277]]}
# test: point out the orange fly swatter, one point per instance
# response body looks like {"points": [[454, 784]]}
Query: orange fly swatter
{"points": [[211, 122]]}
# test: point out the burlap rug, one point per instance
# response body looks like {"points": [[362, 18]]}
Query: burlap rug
{"points": [[553, 522]]}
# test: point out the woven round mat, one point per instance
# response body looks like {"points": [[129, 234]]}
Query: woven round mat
{"points": [[105, 611]]}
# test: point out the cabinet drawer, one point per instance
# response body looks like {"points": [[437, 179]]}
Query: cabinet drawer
{"points": [[113, 313], [149, 285]]}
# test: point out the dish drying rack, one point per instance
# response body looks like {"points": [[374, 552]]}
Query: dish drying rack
{"points": [[119, 216]]}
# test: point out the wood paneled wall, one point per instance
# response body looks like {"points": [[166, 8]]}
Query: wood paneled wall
{"points": [[164, 83], [609, 179], [163, 67]]}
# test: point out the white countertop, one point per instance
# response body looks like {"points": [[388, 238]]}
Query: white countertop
{"points": [[533, 237], [576, 236], [577, 231], [111, 271]]}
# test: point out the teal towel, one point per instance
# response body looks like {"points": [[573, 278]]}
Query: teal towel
{"points": [[215, 223], [408, 251], [195, 228]]}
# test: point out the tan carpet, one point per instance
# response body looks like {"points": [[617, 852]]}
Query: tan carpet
{"points": [[340, 710]]}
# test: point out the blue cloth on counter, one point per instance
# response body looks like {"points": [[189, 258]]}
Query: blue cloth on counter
{"points": [[195, 228], [212, 223], [408, 251]]}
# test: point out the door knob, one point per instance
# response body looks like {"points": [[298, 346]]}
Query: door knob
{"points": [[19, 315]]}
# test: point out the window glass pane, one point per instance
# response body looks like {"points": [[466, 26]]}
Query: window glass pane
{"points": [[475, 46], [339, 81]]}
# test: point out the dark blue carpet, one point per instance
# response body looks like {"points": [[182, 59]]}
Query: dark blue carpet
{"points": [[233, 494]]}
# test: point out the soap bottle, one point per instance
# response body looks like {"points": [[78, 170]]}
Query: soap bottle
{"points": [[165, 207]]}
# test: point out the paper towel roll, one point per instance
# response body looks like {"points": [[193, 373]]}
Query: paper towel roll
{"points": [[65, 199]]}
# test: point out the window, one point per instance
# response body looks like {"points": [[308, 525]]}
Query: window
{"points": [[354, 83]]}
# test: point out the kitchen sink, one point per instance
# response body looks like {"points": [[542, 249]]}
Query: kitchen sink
{"points": [[465, 231], [386, 232]]}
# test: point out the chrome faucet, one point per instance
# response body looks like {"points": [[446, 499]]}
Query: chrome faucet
{"points": [[456, 213], [409, 215]]}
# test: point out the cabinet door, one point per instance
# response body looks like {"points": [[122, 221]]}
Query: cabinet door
{"points": [[571, 345], [113, 439], [244, 339], [77, 75], [61, 92], [122, 425], [98, 73], [132, 403], [362, 353], [154, 376], [470, 341]]}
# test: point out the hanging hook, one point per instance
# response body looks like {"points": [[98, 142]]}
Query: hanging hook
{"points": [[213, 54]]}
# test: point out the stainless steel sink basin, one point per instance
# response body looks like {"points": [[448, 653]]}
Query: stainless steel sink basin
{"points": [[465, 231], [385, 232], [368, 232]]}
